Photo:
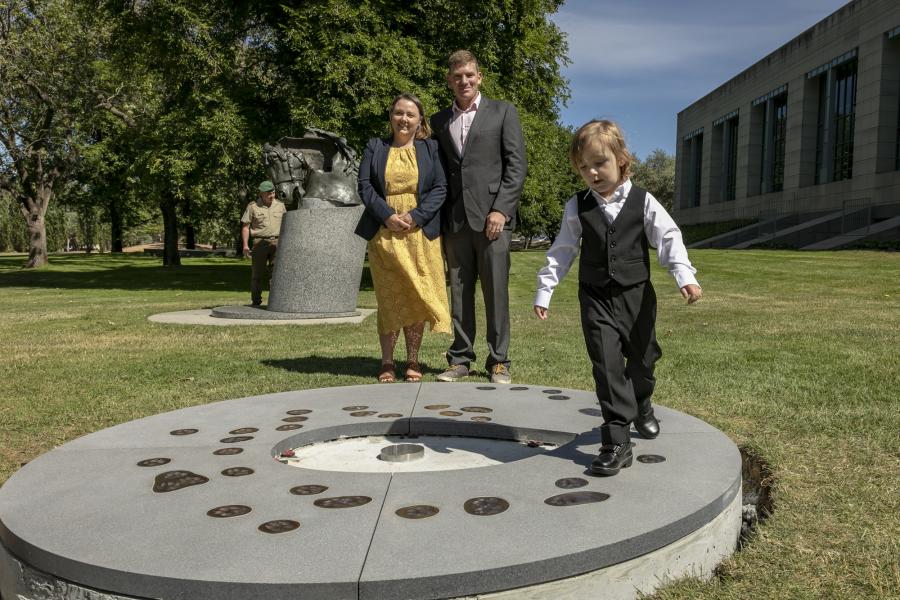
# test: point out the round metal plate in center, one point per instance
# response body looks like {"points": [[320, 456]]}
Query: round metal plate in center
{"points": [[402, 452]]}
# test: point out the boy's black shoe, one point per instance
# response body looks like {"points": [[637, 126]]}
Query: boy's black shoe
{"points": [[647, 425], [612, 457]]}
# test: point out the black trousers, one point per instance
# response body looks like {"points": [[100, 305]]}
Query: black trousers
{"points": [[619, 325], [470, 256]]}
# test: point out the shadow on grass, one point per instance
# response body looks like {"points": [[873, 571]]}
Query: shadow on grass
{"points": [[360, 366], [118, 271]]}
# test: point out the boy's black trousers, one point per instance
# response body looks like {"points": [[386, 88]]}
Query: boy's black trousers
{"points": [[619, 325]]}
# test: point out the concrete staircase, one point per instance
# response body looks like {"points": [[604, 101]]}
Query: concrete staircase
{"points": [[888, 229], [814, 231]]}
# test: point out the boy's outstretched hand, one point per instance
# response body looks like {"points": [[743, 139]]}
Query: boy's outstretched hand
{"points": [[691, 293], [541, 312]]}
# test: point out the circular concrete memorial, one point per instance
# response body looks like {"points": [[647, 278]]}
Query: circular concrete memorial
{"points": [[237, 500]]}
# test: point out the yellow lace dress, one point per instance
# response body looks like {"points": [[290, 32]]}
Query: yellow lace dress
{"points": [[407, 268]]}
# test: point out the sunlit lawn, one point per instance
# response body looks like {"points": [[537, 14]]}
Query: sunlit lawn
{"points": [[793, 354]]}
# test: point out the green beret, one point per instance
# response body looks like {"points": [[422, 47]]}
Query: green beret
{"points": [[266, 186]]}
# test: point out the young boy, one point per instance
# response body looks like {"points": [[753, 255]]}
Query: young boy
{"points": [[615, 222]]}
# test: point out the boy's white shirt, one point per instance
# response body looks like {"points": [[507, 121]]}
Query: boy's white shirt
{"points": [[661, 230]]}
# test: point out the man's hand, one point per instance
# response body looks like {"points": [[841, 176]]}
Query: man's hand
{"points": [[691, 293], [247, 252], [396, 224], [541, 312], [493, 224]]}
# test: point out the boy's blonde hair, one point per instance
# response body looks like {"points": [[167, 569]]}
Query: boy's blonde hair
{"points": [[603, 133]]}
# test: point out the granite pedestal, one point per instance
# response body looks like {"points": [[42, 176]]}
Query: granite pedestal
{"points": [[194, 503], [320, 262]]}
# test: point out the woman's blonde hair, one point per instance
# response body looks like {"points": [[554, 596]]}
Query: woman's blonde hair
{"points": [[603, 133], [424, 130]]}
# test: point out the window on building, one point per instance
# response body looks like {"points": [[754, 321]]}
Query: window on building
{"points": [[772, 133], [836, 118], [724, 146], [691, 168]]}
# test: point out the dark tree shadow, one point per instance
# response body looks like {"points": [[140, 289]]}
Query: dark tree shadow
{"points": [[120, 272], [360, 366]]}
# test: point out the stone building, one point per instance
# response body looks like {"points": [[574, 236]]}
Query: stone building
{"points": [[805, 144]]}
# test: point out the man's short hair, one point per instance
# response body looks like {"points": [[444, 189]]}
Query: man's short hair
{"points": [[462, 57]]}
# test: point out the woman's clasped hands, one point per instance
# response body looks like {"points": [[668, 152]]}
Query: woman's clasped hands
{"points": [[400, 223]]}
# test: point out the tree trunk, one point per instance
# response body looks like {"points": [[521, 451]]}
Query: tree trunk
{"points": [[190, 237], [115, 226], [37, 241], [170, 232]]}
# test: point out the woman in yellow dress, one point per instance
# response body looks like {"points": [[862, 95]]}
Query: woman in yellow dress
{"points": [[402, 184]]}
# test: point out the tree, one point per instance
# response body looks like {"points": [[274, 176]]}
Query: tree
{"points": [[46, 51], [656, 174]]}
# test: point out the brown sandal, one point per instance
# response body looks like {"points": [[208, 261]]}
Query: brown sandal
{"points": [[413, 372], [386, 374]]}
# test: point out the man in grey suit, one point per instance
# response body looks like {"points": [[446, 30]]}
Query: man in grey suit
{"points": [[483, 151]]}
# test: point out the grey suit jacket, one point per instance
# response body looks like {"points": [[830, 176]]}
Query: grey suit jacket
{"points": [[490, 173]]}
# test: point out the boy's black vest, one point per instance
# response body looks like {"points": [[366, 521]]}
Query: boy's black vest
{"points": [[616, 251]]}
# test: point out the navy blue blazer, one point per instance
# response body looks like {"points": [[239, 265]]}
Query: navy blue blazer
{"points": [[432, 188]]}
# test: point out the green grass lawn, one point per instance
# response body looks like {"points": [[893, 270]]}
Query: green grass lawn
{"points": [[792, 354]]}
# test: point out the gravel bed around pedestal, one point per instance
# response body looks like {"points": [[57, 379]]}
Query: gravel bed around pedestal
{"points": [[195, 504]]}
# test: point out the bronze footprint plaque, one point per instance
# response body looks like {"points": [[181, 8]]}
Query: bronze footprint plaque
{"points": [[363, 413], [650, 459], [230, 510], [289, 427], [551, 391], [476, 409], [295, 419], [299, 411], [342, 502], [591, 412], [350, 408], [450, 413], [419, 511], [558, 397], [437, 406], [485, 506], [243, 430], [237, 471], [183, 431], [176, 480], [390, 416], [481, 419], [576, 498], [485, 387], [279, 526], [518, 388], [568, 483], [308, 490], [227, 451], [236, 439], [154, 462]]}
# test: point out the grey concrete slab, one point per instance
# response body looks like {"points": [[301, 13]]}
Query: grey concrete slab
{"points": [[103, 526], [87, 513], [214, 422], [204, 316], [264, 314], [457, 554]]}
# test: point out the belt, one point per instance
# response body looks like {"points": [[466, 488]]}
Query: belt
{"points": [[270, 238]]}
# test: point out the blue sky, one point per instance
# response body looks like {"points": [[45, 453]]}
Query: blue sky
{"points": [[640, 62]]}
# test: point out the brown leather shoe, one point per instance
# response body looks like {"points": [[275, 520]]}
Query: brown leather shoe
{"points": [[500, 374], [454, 373]]}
